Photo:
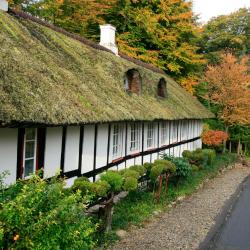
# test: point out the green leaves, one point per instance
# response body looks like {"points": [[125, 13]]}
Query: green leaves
{"points": [[45, 216]]}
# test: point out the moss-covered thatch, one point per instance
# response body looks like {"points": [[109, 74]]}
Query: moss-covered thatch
{"points": [[49, 78]]}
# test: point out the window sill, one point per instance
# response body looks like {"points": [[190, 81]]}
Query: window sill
{"points": [[135, 153], [149, 149], [117, 159]]}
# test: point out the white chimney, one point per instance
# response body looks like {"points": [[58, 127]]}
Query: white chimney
{"points": [[4, 5], [108, 38]]}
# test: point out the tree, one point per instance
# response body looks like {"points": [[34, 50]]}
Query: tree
{"points": [[162, 33], [159, 32], [228, 88], [231, 32]]}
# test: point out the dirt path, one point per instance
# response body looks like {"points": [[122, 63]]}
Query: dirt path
{"points": [[186, 225]]}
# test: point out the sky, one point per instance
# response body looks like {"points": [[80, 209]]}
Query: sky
{"points": [[211, 8]]}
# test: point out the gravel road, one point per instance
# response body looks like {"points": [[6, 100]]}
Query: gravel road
{"points": [[186, 225]]}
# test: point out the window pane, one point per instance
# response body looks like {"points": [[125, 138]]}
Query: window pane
{"points": [[30, 133], [29, 149], [28, 167]]}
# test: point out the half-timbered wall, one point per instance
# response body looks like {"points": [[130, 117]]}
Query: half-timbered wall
{"points": [[91, 149]]}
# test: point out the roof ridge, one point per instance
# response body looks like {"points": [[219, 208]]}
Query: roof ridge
{"points": [[24, 15]]}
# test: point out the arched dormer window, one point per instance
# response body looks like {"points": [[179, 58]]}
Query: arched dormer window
{"points": [[133, 81], [162, 88]]}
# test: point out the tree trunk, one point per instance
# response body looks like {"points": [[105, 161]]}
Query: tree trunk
{"points": [[158, 194], [106, 213], [225, 142], [239, 148], [230, 146]]}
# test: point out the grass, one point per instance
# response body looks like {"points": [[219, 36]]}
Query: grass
{"points": [[139, 206]]}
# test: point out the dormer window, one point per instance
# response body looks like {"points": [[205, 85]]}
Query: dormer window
{"points": [[133, 81], [162, 88]]}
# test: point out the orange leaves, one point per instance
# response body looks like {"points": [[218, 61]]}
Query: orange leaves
{"points": [[228, 88], [214, 137]]}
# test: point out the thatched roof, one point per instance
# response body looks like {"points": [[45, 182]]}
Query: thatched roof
{"points": [[47, 77]]}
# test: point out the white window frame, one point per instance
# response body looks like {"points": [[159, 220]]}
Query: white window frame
{"points": [[134, 137], [117, 141], [164, 133], [150, 136], [24, 152]]}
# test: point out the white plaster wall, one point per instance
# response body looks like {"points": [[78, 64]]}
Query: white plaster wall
{"points": [[174, 131], [130, 162], [70, 182], [102, 146], [121, 166], [154, 157], [53, 147], [8, 153], [138, 160], [146, 158], [199, 143], [72, 149], [88, 148]]}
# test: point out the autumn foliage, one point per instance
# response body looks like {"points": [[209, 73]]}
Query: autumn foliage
{"points": [[228, 88], [214, 137]]}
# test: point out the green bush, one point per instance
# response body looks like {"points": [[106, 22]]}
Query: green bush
{"points": [[45, 216], [83, 184], [210, 155], [100, 188], [186, 154], [167, 165], [148, 166], [130, 184], [155, 172], [183, 168], [139, 168], [131, 173], [114, 179], [194, 168], [195, 157]]}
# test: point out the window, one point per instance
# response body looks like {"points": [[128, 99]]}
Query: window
{"points": [[133, 81], [150, 135], [29, 159], [164, 133], [117, 141], [134, 136], [162, 88]]}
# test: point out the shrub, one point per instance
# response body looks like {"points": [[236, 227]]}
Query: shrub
{"points": [[131, 173], [167, 165], [195, 157], [155, 172], [138, 168], [114, 179], [100, 188], [130, 184], [210, 155], [183, 168], [186, 154], [44, 216], [214, 137], [83, 184], [148, 166], [194, 168]]}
